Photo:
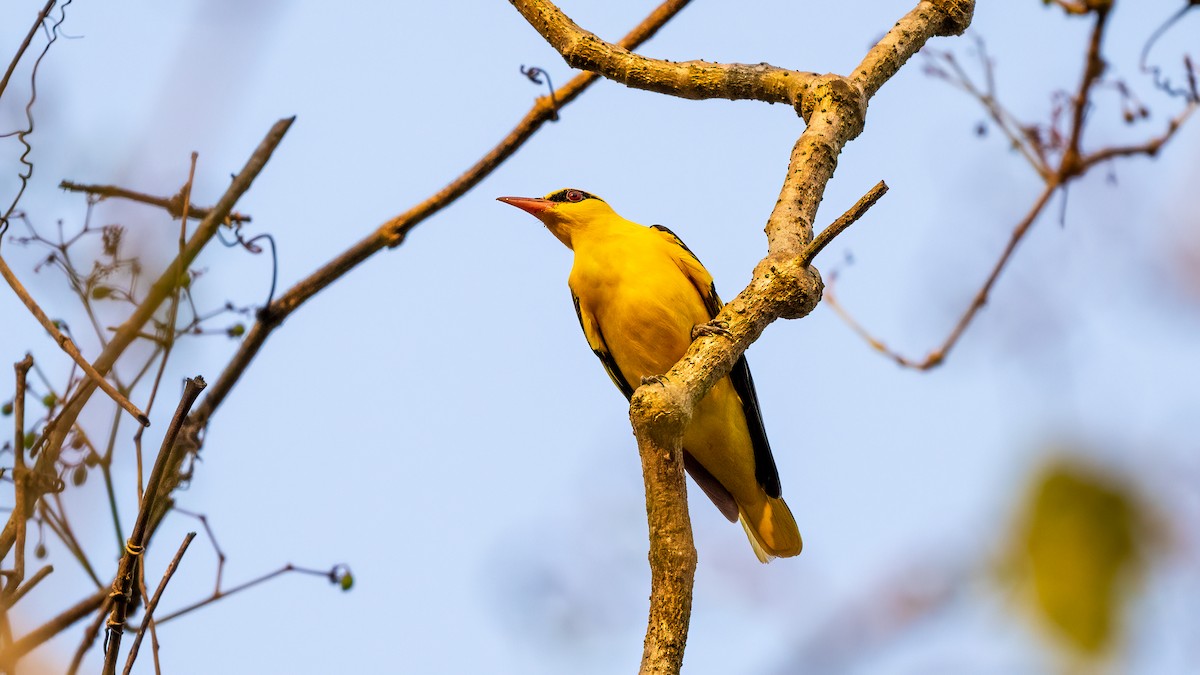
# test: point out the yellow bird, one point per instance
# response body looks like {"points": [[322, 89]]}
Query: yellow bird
{"points": [[639, 292]]}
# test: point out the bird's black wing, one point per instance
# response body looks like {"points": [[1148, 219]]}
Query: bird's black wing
{"points": [[709, 484], [764, 462], [595, 338]]}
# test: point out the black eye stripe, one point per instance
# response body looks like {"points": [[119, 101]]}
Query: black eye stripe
{"points": [[571, 195]]}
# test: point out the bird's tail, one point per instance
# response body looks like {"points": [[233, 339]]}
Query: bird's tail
{"points": [[771, 529]]}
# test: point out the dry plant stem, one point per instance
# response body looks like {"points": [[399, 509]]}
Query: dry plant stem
{"points": [[123, 582], [1150, 148], [834, 108], [12, 65], [89, 638], [937, 356], [20, 479], [393, 232], [217, 595], [127, 332], [53, 627], [34, 580], [68, 345], [1071, 163], [168, 341], [687, 79], [844, 221], [172, 205], [149, 618]]}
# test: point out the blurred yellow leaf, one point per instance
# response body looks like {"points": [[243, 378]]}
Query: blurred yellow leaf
{"points": [[1078, 549]]}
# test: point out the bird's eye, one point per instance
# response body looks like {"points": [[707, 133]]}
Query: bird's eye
{"points": [[574, 196]]}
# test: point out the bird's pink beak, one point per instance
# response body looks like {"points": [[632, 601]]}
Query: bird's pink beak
{"points": [[530, 205]]}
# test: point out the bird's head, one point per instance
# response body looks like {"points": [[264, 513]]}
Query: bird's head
{"points": [[564, 212]]}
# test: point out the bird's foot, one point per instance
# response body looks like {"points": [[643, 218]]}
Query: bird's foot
{"points": [[654, 379], [710, 329]]}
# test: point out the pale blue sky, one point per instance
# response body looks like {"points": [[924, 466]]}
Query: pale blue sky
{"points": [[436, 420]]}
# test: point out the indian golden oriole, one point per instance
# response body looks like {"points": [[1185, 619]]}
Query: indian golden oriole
{"points": [[639, 292]]}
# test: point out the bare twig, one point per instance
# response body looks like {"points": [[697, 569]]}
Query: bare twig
{"points": [[123, 581], [1012, 128], [168, 341], [392, 233], [53, 627], [212, 539], [50, 443], [1071, 163], [12, 65], [89, 638], [173, 205], [33, 581], [937, 356], [68, 345], [1149, 148], [149, 618], [22, 135], [336, 575], [844, 221], [20, 479]]}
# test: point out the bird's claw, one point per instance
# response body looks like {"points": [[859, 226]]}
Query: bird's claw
{"points": [[654, 379], [710, 329]]}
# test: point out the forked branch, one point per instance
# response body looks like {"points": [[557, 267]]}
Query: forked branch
{"points": [[783, 286]]}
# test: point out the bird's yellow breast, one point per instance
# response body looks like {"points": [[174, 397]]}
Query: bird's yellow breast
{"points": [[629, 279]]}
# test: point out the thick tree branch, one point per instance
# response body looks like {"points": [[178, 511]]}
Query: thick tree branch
{"points": [[783, 285], [687, 79]]}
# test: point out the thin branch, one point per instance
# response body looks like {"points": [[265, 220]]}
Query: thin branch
{"points": [[12, 65], [1149, 148], [844, 221], [937, 356], [20, 479], [392, 233], [89, 638], [168, 341], [149, 618], [1009, 125], [1072, 165], [336, 574], [1071, 162], [173, 205], [33, 581], [58, 624], [134, 549], [50, 443], [68, 345]]}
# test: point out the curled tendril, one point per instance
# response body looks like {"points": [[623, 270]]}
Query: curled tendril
{"points": [[254, 249], [1162, 82], [535, 75]]}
